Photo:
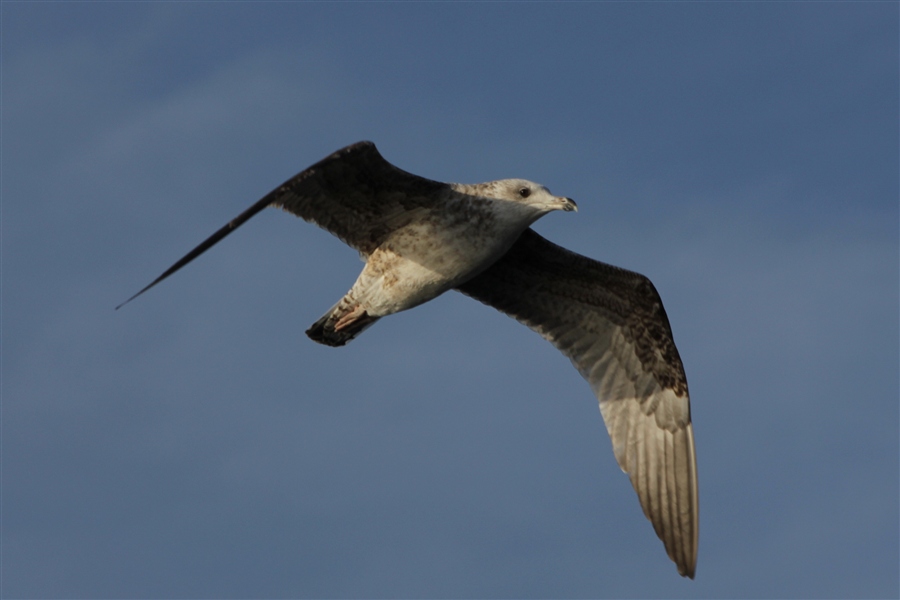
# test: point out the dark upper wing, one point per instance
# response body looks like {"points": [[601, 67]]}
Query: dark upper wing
{"points": [[354, 193], [611, 324], [357, 195]]}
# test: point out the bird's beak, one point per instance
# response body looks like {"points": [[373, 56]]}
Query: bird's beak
{"points": [[568, 204]]}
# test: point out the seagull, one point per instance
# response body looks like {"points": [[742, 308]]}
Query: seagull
{"points": [[420, 238]]}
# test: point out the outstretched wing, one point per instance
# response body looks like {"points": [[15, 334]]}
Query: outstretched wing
{"points": [[611, 324], [354, 193]]}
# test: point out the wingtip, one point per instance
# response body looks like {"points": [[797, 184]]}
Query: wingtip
{"points": [[139, 293], [687, 571], [127, 301]]}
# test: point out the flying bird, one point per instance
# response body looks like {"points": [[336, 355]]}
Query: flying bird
{"points": [[420, 238]]}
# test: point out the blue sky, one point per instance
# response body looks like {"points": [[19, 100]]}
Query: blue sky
{"points": [[744, 156]]}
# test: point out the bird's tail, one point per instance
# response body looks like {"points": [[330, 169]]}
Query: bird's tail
{"points": [[342, 323]]}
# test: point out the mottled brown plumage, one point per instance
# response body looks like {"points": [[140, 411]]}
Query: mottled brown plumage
{"points": [[420, 238], [357, 195]]}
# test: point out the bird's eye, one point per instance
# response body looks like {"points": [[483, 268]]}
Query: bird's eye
{"points": [[524, 192]]}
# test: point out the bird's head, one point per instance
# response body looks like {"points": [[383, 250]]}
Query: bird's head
{"points": [[530, 194]]}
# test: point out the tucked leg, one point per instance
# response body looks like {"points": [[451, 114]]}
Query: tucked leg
{"points": [[342, 323]]}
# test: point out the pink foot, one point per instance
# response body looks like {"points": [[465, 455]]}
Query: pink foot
{"points": [[350, 318]]}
